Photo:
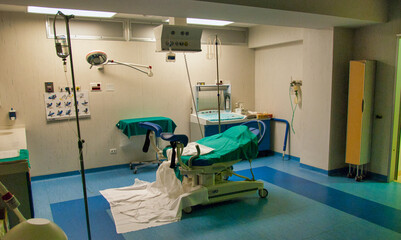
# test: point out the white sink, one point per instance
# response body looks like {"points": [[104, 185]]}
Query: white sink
{"points": [[5, 133], [12, 139], [9, 154]]}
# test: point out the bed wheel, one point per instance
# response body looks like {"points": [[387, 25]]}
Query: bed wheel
{"points": [[263, 193], [187, 210], [135, 171]]}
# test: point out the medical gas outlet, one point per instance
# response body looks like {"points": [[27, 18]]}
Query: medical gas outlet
{"points": [[296, 85], [295, 90]]}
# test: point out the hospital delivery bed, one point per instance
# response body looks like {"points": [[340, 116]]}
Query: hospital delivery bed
{"points": [[212, 170]]}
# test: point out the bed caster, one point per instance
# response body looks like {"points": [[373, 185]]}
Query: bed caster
{"points": [[263, 193], [187, 210], [135, 171], [358, 178], [130, 166], [350, 175]]}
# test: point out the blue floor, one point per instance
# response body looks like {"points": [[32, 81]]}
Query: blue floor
{"points": [[302, 204]]}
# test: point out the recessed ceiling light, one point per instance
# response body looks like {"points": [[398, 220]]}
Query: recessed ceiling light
{"points": [[75, 12], [208, 22], [211, 22]]}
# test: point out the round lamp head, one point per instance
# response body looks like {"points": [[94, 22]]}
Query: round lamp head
{"points": [[35, 229], [96, 58]]}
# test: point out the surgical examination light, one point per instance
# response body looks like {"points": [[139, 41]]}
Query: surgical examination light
{"points": [[32, 229], [99, 58]]}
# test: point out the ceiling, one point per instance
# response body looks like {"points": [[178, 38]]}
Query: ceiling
{"points": [[158, 10]]}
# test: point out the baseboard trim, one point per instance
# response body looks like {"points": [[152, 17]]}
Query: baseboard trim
{"points": [[287, 156], [73, 173], [319, 170]]}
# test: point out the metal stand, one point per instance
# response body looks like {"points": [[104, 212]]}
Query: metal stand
{"points": [[218, 84], [357, 172], [142, 164], [136, 165], [80, 141]]}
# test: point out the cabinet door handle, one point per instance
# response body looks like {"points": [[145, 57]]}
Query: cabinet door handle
{"points": [[363, 104]]}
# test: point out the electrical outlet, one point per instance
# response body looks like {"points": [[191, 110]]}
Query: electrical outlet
{"points": [[113, 151]]}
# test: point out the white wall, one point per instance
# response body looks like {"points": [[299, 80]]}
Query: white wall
{"points": [[317, 75], [342, 54], [378, 42], [325, 57], [374, 10], [262, 36], [28, 60], [309, 60], [274, 67]]}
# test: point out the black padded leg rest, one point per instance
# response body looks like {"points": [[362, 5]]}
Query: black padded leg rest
{"points": [[151, 126], [175, 138]]}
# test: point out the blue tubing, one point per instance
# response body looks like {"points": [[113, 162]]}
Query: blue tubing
{"points": [[286, 130]]}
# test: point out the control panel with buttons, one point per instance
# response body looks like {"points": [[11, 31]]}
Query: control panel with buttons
{"points": [[178, 38]]}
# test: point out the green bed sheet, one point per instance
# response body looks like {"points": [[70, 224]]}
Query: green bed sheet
{"points": [[130, 127], [23, 155], [235, 143]]}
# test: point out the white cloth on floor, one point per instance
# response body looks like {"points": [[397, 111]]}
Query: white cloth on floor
{"points": [[190, 150], [145, 204]]}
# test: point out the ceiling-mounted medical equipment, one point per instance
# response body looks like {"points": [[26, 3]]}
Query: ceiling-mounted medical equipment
{"points": [[178, 38], [99, 58]]}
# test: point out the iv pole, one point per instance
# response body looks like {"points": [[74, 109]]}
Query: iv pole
{"points": [[80, 141], [218, 83]]}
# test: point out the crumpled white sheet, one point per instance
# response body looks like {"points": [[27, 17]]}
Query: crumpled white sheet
{"points": [[145, 204], [190, 149]]}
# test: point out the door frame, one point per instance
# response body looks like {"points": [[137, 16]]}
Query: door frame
{"points": [[395, 143]]}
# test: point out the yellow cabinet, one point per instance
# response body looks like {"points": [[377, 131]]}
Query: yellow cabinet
{"points": [[360, 112]]}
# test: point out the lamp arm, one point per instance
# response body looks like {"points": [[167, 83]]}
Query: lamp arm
{"points": [[134, 66], [131, 64]]}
